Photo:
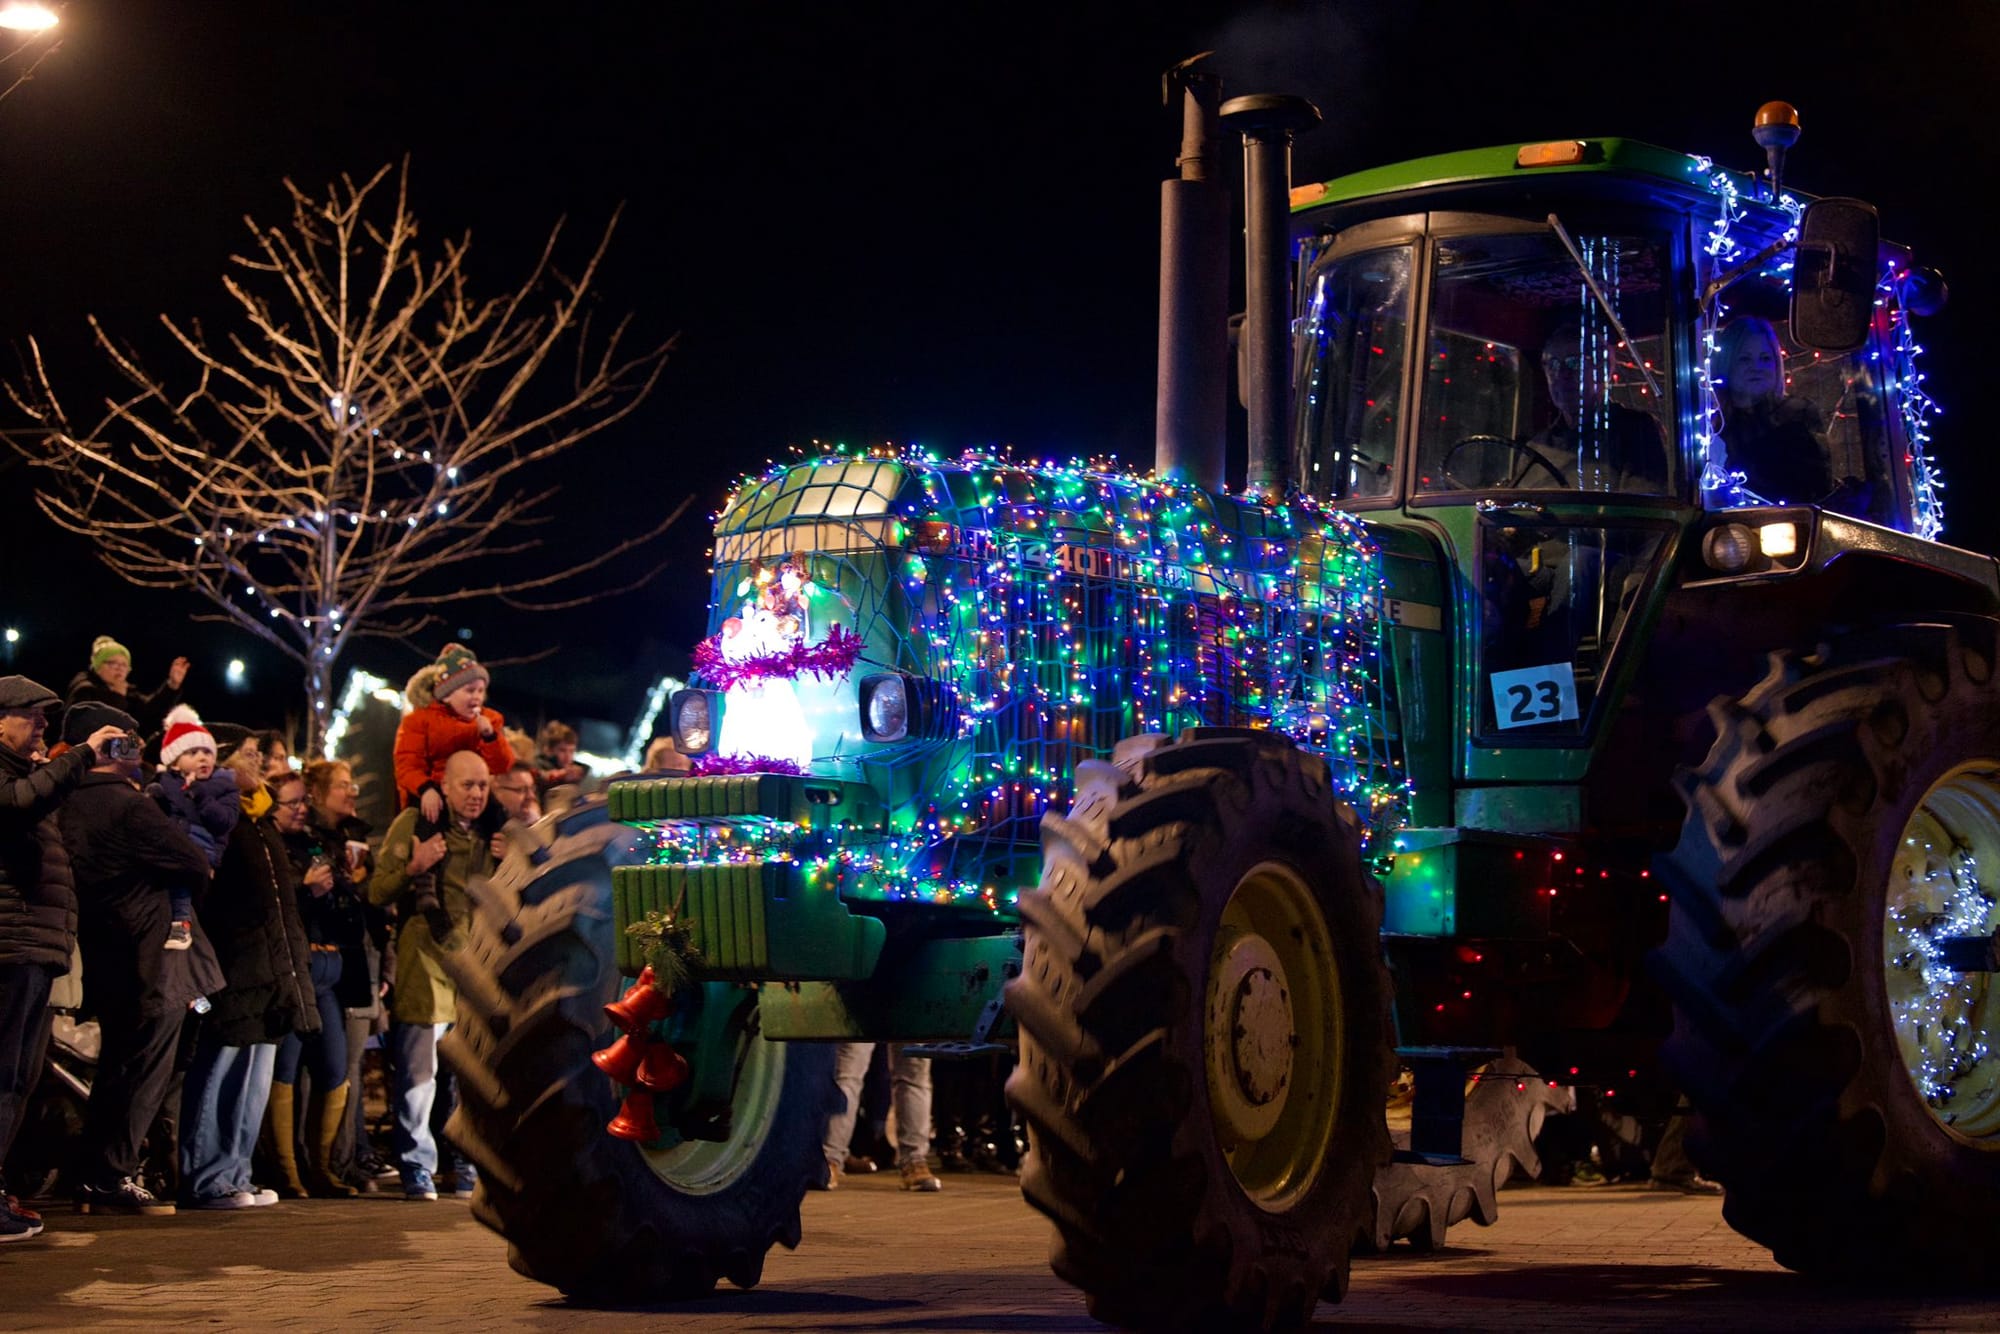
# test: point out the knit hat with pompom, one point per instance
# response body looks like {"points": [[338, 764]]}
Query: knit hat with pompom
{"points": [[456, 669], [184, 733]]}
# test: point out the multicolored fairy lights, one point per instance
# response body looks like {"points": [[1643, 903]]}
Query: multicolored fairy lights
{"points": [[1049, 611]]}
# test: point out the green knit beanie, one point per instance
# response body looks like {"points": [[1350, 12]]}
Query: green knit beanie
{"points": [[104, 648], [456, 668]]}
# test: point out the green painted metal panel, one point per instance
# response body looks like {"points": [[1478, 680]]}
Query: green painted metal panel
{"points": [[751, 922], [1602, 157], [936, 992]]}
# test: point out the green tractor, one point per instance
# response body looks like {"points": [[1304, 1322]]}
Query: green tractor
{"points": [[1577, 682]]}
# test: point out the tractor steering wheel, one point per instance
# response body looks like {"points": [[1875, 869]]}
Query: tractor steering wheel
{"points": [[1531, 458]]}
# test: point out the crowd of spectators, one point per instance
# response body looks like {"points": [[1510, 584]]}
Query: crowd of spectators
{"points": [[242, 937]]}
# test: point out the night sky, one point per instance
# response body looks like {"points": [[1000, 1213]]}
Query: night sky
{"points": [[932, 223]]}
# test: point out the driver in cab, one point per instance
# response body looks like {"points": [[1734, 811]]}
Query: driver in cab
{"points": [[1593, 443]]}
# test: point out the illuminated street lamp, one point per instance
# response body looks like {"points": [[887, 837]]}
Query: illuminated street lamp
{"points": [[20, 17]]}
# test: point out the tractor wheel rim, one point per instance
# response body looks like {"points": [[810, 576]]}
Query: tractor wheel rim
{"points": [[1942, 884], [703, 1167], [1272, 1039]]}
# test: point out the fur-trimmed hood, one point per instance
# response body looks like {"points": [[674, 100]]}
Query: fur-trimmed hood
{"points": [[420, 691]]}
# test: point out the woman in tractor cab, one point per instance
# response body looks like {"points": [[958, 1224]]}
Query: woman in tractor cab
{"points": [[1776, 440]]}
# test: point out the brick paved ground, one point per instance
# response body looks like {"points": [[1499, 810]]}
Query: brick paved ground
{"points": [[968, 1260]]}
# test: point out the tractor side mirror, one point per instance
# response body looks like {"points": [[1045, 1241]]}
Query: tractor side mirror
{"points": [[1833, 279]]}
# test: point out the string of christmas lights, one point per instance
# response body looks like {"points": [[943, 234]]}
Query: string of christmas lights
{"points": [[1064, 607]]}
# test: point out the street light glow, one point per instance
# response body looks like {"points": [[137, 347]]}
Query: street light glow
{"points": [[27, 18], [236, 670], [13, 635]]}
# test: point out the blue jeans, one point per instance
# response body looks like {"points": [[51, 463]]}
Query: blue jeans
{"points": [[413, 1089], [222, 1106], [325, 1052]]}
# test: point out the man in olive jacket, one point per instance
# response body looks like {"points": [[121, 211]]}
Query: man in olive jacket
{"points": [[37, 904], [425, 1003]]}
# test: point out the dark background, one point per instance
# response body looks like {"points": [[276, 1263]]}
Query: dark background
{"points": [[931, 223]]}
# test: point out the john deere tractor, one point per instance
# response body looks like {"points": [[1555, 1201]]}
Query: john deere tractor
{"points": [[1577, 680]]}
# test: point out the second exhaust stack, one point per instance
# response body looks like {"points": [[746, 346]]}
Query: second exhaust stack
{"points": [[1267, 123]]}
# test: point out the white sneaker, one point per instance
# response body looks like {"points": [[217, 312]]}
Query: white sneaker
{"points": [[260, 1196], [236, 1199]]}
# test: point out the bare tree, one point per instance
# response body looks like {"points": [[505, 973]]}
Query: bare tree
{"points": [[364, 428]]}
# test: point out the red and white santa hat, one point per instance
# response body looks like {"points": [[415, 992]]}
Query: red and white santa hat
{"points": [[184, 733]]}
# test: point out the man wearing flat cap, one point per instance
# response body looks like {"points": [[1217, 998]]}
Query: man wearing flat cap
{"points": [[127, 856], [37, 904]]}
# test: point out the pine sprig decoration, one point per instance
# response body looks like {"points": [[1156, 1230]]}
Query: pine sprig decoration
{"points": [[666, 945]]}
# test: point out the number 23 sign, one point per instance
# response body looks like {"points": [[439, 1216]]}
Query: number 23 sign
{"points": [[1530, 695]]}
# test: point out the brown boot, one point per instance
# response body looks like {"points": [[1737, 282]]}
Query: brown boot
{"points": [[284, 1137], [324, 1113]]}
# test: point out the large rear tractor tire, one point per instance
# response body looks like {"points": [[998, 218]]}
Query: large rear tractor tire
{"points": [[1204, 1054], [598, 1217], [1843, 829]]}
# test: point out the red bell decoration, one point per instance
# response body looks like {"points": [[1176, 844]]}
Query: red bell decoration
{"points": [[663, 1070], [635, 1118], [640, 1006], [621, 1059]]}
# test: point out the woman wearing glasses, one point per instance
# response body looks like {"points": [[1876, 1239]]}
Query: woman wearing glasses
{"points": [[252, 916]]}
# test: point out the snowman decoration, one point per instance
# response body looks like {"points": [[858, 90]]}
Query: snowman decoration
{"points": [[763, 718]]}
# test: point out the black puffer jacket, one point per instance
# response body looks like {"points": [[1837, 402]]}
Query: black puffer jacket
{"points": [[252, 914], [37, 891], [127, 855]]}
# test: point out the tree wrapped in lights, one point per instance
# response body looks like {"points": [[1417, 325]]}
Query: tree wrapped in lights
{"points": [[348, 457]]}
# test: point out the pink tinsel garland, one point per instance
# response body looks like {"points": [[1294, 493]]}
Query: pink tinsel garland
{"points": [[708, 766], [832, 657]]}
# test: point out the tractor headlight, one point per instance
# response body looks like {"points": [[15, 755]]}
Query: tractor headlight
{"points": [[697, 718], [896, 706], [885, 707], [1729, 548]]}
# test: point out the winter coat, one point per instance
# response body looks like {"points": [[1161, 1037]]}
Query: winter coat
{"points": [[37, 891], [252, 912], [149, 711], [126, 856], [424, 991], [333, 918], [207, 809], [431, 733]]}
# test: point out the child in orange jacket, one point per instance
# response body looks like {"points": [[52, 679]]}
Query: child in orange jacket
{"points": [[447, 714]]}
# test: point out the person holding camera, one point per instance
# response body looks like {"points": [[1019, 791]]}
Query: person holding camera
{"points": [[37, 905], [128, 859]]}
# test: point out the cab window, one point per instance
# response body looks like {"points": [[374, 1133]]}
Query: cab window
{"points": [[1527, 381]]}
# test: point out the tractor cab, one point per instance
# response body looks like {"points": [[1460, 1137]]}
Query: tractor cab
{"points": [[1567, 364]]}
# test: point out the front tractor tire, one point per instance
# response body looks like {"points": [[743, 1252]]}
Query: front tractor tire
{"points": [[1837, 865], [597, 1217], [1204, 1054]]}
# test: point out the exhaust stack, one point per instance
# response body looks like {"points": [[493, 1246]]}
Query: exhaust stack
{"points": [[1189, 431], [1267, 123]]}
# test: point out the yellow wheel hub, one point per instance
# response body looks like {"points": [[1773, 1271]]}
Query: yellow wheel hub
{"points": [[1272, 1039]]}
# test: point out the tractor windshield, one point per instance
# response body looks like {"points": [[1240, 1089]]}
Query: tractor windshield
{"points": [[1356, 319], [1526, 382]]}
